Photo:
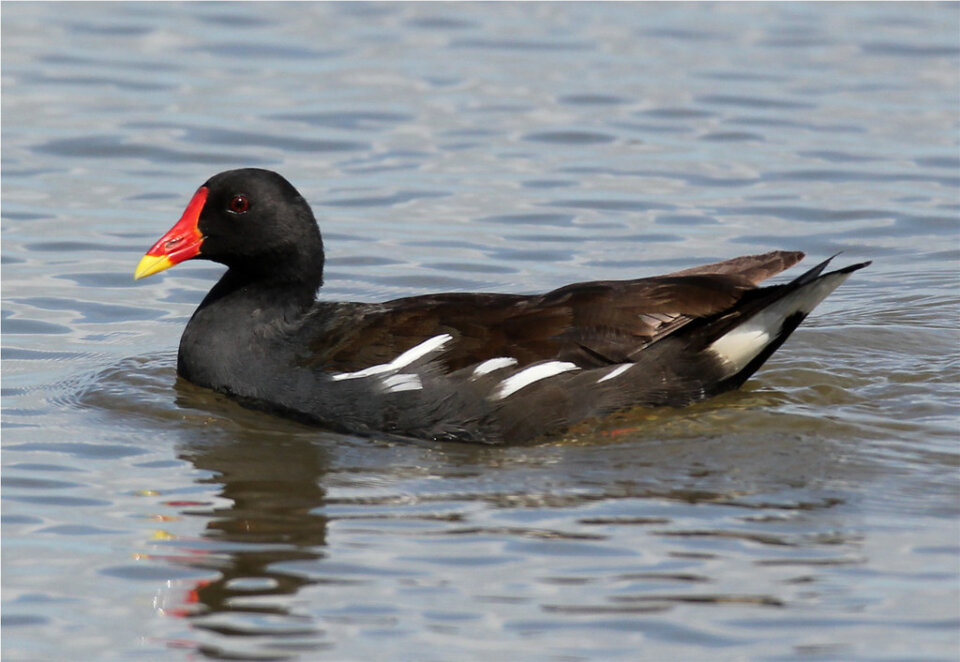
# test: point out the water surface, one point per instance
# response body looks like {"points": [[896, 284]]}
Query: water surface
{"points": [[501, 147]]}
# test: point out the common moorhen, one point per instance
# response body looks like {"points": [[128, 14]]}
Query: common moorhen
{"points": [[488, 368]]}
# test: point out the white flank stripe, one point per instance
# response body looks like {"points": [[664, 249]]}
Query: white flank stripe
{"points": [[490, 365], [741, 345], [402, 361], [366, 372], [535, 373], [403, 382], [421, 350], [616, 372]]}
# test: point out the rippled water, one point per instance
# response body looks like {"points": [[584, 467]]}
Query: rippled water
{"points": [[504, 147]]}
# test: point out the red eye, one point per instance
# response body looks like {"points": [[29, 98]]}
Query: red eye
{"points": [[239, 204]]}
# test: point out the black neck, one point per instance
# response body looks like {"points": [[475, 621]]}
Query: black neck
{"points": [[264, 291]]}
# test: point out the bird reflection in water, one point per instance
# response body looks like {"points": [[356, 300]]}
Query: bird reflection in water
{"points": [[273, 482]]}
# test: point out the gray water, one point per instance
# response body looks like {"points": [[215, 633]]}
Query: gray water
{"points": [[812, 515]]}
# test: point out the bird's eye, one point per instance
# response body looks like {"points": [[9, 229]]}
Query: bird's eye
{"points": [[239, 204]]}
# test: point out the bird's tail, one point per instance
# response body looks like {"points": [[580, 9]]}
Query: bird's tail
{"points": [[768, 319]]}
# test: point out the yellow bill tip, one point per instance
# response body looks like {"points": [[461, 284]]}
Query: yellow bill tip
{"points": [[151, 264]]}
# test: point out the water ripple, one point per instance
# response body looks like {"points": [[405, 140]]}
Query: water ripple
{"points": [[502, 147]]}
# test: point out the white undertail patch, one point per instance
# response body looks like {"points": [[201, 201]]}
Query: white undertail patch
{"points": [[402, 361], [739, 346], [528, 376], [742, 344]]}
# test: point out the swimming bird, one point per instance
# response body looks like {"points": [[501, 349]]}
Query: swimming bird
{"points": [[474, 367]]}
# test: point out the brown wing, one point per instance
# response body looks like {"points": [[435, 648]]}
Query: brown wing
{"points": [[755, 268], [590, 324]]}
